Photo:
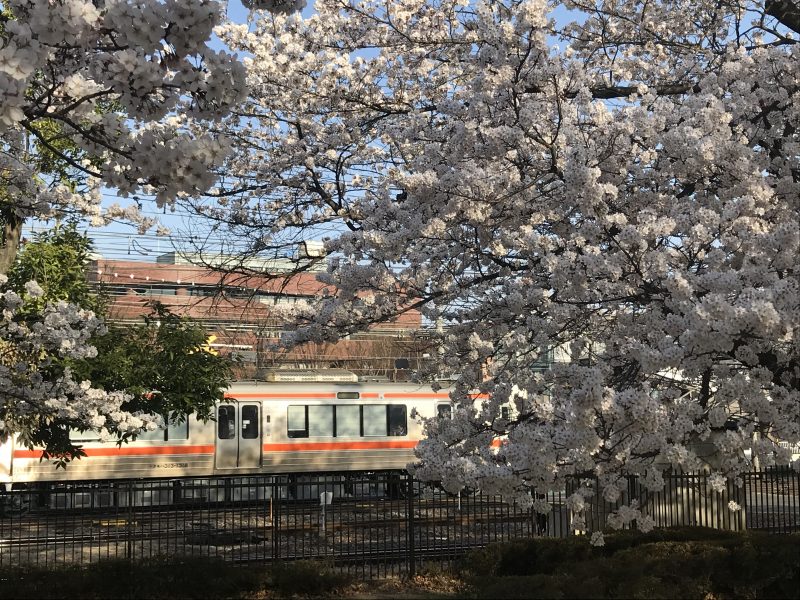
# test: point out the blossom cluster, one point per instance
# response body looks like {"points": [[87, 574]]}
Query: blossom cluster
{"points": [[36, 386], [106, 76]]}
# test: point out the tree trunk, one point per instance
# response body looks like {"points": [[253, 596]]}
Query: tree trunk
{"points": [[9, 245]]}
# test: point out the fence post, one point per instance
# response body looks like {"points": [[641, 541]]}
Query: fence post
{"points": [[741, 493], [275, 517], [129, 525], [410, 549]]}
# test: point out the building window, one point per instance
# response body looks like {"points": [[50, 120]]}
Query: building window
{"points": [[545, 360]]}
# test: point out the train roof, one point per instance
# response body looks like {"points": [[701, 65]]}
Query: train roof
{"points": [[254, 387]]}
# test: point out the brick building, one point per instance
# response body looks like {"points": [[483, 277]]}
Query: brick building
{"points": [[239, 312]]}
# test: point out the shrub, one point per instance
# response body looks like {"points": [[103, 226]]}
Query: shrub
{"points": [[313, 578], [513, 587], [669, 563], [525, 557], [162, 577]]}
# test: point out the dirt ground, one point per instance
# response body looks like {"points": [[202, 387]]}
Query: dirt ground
{"points": [[420, 587]]}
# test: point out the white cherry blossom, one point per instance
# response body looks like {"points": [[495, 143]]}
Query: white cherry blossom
{"points": [[616, 184], [34, 384]]}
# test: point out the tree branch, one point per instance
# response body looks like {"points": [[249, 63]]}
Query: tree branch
{"points": [[608, 92], [787, 12]]}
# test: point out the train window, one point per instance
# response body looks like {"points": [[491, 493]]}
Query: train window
{"points": [[444, 411], [320, 421], [375, 422], [249, 422], [226, 422], [348, 421], [297, 422], [156, 435], [178, 430], [84, 436], [396, 416]]}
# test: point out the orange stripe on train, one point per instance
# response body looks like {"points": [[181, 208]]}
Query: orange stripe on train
{"points": [[318, 446], [293, 395], [332, 396], [401, 395], [130, 451]]}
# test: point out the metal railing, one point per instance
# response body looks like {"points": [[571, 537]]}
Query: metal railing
{"points": [[375, 524]]}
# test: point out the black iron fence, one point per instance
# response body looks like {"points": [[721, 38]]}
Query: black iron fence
{"points": [[370, 524]]}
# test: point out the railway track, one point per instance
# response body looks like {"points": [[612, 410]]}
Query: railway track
{"points": [[351, 526], [108, 516]]}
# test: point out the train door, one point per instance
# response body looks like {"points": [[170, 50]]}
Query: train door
{"points": [[238, 435]]}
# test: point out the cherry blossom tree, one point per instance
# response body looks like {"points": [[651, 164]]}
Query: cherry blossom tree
{"points": [[118, 94], [154, 368], [613, 181], [106, 90]]}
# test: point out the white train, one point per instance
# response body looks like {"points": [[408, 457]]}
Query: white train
{"points": [[261, 428]]}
